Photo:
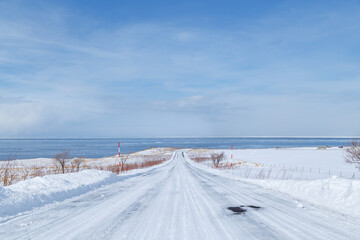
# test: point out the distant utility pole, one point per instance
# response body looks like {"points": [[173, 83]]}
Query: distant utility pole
{"points": [[231, 164], [119, 148], [119, 156]]}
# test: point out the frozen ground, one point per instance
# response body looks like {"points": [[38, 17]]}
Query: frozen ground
{"points": [[178, 200]]}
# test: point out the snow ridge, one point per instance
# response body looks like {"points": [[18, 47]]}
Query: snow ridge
{"points": [[39, 191]]}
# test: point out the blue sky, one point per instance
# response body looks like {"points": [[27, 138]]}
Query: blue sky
{"points": [[179, 68]]}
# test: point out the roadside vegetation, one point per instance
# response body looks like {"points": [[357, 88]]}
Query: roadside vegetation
{"points": [[352, 154], [216, 158], [13, 170]]}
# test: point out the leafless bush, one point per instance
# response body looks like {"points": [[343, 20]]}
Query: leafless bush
{"points": [[76, 163], [352, 154], [61, 159], [217, 158], [123, 160]]}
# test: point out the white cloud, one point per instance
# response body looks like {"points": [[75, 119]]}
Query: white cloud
{"points": [[18, 119], [270, 69]]}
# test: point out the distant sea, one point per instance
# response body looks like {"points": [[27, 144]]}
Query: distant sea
{"points": [[104, 147]]}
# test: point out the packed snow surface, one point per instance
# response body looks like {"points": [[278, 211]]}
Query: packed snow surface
{"points": [[177, 200], [334, 193]]}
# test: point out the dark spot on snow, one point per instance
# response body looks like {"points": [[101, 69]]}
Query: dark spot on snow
{"points": [[242, 208], [237, 210], [251, 206]]}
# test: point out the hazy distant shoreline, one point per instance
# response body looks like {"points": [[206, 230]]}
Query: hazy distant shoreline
{"points": [[104, 147]]}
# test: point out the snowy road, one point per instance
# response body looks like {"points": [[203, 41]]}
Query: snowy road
{"points": [[179, 201]]}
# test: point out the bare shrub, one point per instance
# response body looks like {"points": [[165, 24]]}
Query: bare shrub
{"points": [[217, 158], [76, 163], [61, 159], [352, 154], [123, 160]]}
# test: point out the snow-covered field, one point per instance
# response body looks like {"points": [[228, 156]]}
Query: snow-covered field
{"points": [[283, 163], [182, 199]]}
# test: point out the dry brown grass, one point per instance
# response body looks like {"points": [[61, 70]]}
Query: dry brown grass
{"points": [[8, 173], [199, 155], [11, 172], [145, 164], [201, 159], [114, 168]]}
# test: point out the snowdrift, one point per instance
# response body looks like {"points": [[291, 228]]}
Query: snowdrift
{"points": [[342, 195], [39, 191]]}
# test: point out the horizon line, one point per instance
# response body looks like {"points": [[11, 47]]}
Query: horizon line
{"points": [[16, 138]]}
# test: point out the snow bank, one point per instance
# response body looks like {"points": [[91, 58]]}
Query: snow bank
{"points": [[342, 195], [336, 194], [37, 192]]}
